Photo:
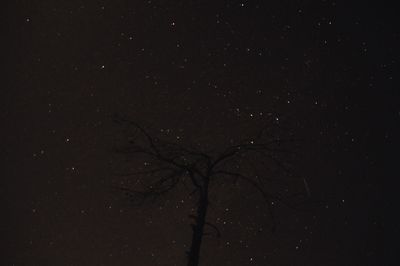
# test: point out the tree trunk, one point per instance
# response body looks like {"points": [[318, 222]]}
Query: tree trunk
{"points": [[198, 228]]}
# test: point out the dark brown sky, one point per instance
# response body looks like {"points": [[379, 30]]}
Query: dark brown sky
{"points": [[207, 71]]}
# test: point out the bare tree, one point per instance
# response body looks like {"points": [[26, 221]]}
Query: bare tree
{"points": [[170, 163]]}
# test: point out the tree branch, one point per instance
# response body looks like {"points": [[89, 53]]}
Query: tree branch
{"points": [[267, 197]]}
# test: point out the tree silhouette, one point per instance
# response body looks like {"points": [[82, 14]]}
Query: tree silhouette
{"points": [[168, 164]]}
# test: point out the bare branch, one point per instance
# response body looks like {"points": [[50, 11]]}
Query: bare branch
{"points": [[218, 233], [267, 197], [151, 171], [160, 187]]}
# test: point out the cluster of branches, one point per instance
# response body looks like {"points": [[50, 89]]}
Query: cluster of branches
{"points": [[169, 164]]}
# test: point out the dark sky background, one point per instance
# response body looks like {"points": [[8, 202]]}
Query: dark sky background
{"points": [[204, 71]]}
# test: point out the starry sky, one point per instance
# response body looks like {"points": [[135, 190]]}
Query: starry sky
{"points": [[199, 72]]}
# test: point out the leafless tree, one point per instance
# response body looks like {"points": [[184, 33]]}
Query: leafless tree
{"points": [[171, 163]]}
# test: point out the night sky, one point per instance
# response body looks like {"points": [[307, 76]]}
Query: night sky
{"points": [[203, 72]]}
